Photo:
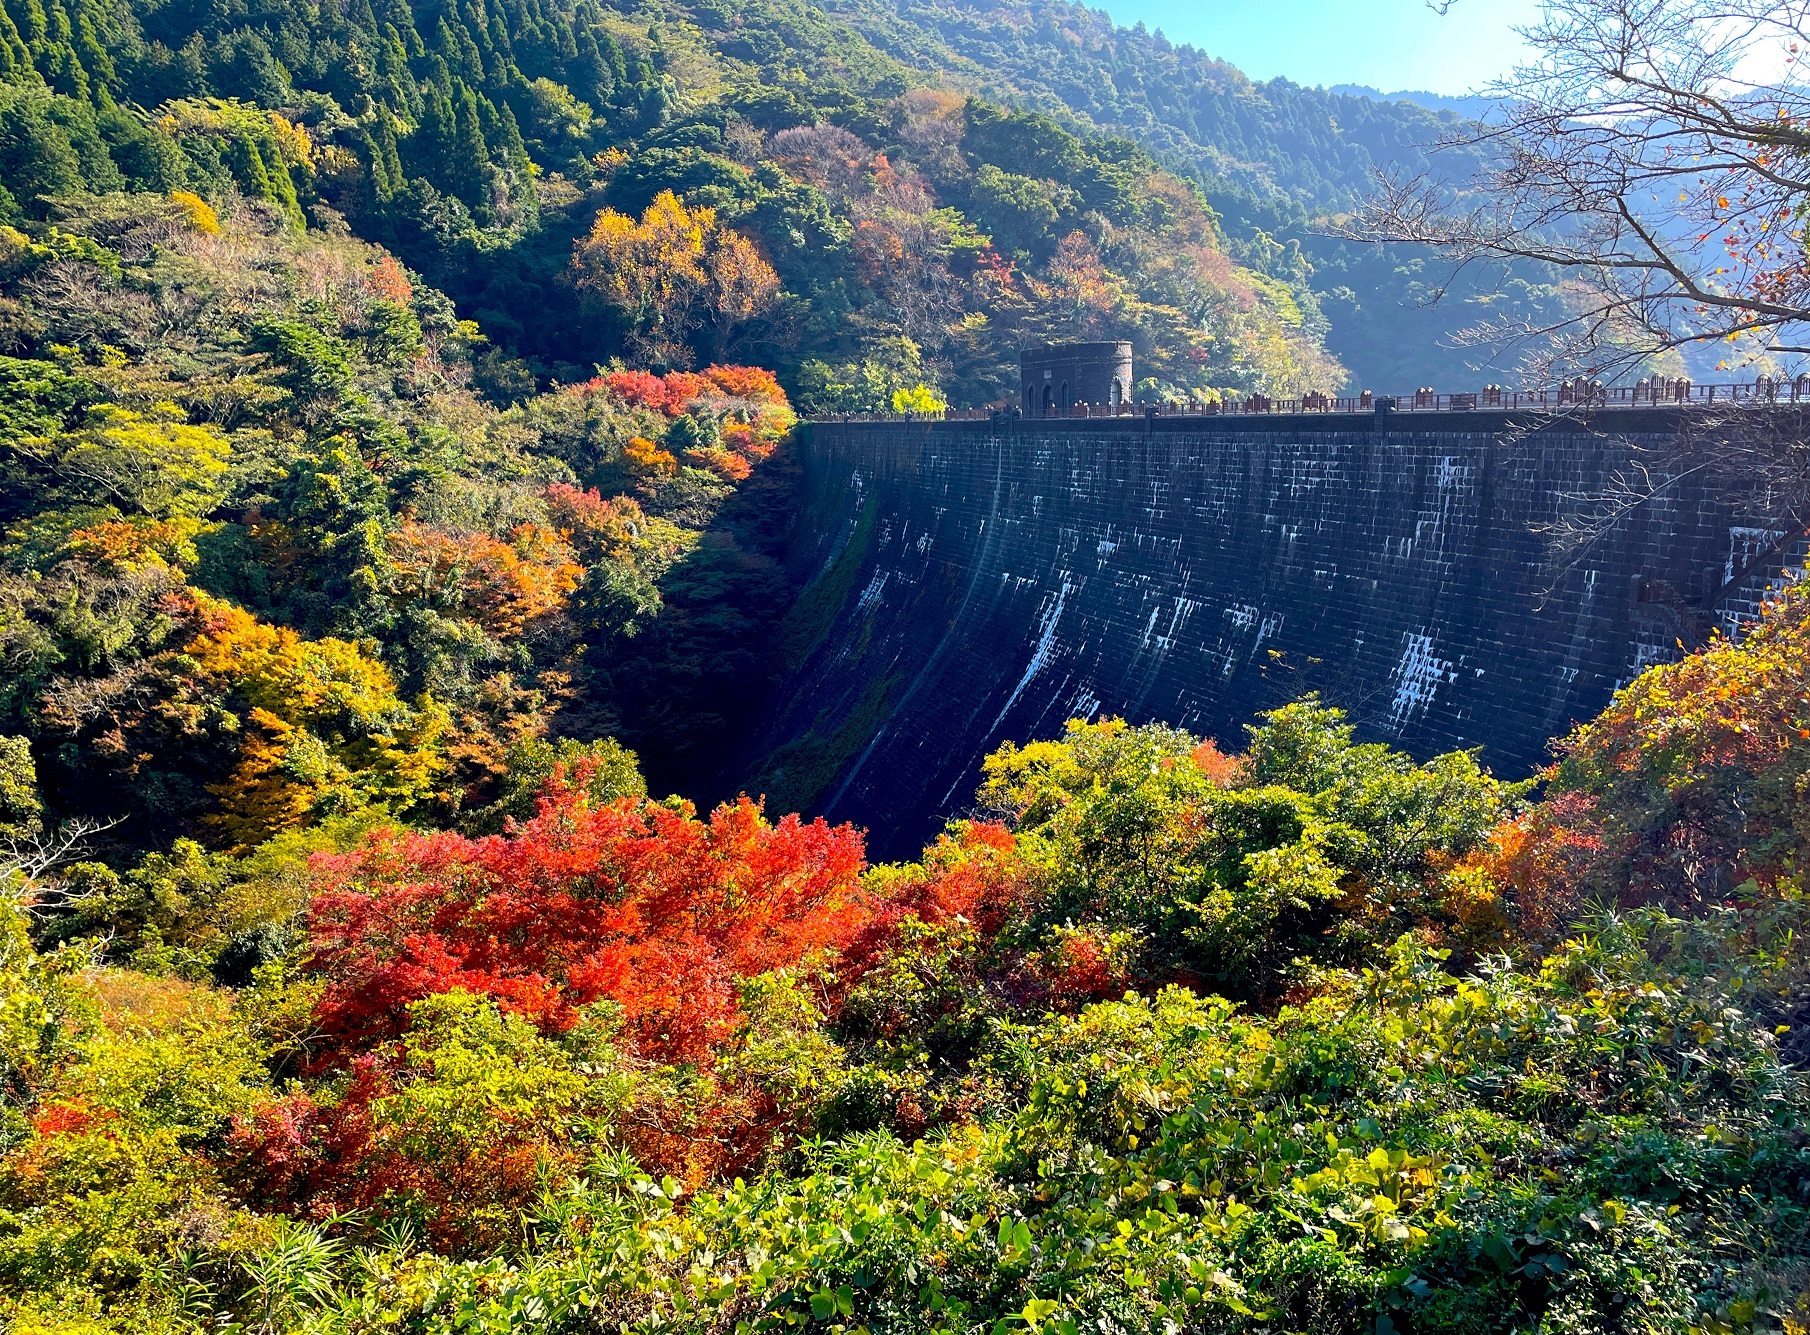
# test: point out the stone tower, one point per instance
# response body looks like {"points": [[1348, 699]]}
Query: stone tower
{"points": [[1057, 376]]}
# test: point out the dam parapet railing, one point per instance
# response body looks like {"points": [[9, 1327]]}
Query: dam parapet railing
{"points": [[1655, 393]]}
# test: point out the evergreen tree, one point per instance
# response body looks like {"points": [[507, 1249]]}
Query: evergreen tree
{"points": [[36, 155], [392, 160], [430, 146], [399, 89], [377, 176], [11, 47], [15, 59], [102, 73], [591, 72], [511, 140], [249, 169], [452, 52], [36, 25], [469, 167], [499, 33], [57, 57], [282, 186], [190, 67], [403, 22], [474, 30], [612, 54]]}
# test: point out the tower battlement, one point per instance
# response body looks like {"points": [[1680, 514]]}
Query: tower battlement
{"points": [[1055, 377]]}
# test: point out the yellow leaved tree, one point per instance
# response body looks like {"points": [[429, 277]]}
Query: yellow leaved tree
{"points": [[325, 731], [675, 271], [151, 464]]}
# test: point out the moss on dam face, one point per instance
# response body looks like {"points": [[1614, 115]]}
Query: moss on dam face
{"points": [[970, 583]]}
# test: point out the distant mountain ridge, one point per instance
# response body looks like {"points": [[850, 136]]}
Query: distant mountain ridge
{"points": [[1470, 106]]}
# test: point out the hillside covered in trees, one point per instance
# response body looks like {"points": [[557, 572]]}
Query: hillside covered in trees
{"points": [[355, 976], [1275, 160], [896, 230]]}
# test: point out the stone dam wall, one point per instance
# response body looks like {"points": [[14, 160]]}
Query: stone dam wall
{"points": [[970, 583]]}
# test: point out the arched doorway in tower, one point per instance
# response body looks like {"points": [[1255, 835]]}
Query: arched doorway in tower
{"points": [[1118, 392], [1049, 396]]}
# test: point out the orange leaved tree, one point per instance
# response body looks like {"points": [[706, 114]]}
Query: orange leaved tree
{"points": [[324, 728], [674, 272], [635, 902], [1699, 768]]}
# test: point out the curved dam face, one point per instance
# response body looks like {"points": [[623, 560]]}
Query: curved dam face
{"points": [[971, 583]]}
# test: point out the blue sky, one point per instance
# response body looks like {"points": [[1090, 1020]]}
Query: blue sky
{"points": [[1388, 44]]}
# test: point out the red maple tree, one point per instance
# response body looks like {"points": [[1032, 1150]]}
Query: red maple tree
{"points": [[639, 902]]}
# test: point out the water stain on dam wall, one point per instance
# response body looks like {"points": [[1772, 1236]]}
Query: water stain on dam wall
{"points": [[970, 583]]}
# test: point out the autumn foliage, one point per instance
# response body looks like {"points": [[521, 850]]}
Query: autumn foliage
{"points": [[325, 728], [637, 902], [1699, 767], [500, 585], [746, 401], [631, 929], [674, 271], [388, 281], [459, 975], [1688, 791]]}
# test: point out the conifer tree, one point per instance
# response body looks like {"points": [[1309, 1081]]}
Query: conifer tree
{"points": [[282, 186], [612, 54], [386, 164], [499, 34], [399, 87], [511, 140], [37, 25], [17, 67], [392, 160], [469, 169], [377, 174], [404, 24], [591, 72], [474, 30], [430, 147], [190, 67], [249, 170], [36, 156], [103, 74], [446, 46]]}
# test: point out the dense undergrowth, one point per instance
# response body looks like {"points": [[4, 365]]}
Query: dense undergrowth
{"points": [[1306, 1038]]}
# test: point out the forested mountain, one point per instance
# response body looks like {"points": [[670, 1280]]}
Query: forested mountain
{"points": [[235, 421], [1471, 105], [1273, 158], [900, 233]]}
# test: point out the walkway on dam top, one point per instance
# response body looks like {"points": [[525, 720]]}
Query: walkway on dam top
{"points": [[1658, 392]]}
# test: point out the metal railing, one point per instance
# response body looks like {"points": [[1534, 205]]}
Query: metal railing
{"points": [[1570, 396]]}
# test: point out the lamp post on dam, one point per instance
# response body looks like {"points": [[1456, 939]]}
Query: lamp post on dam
{"points": [[1054, 377]]}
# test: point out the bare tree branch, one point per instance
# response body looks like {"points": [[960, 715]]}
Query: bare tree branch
{"points": [[27, 858], [1657, 153]]}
